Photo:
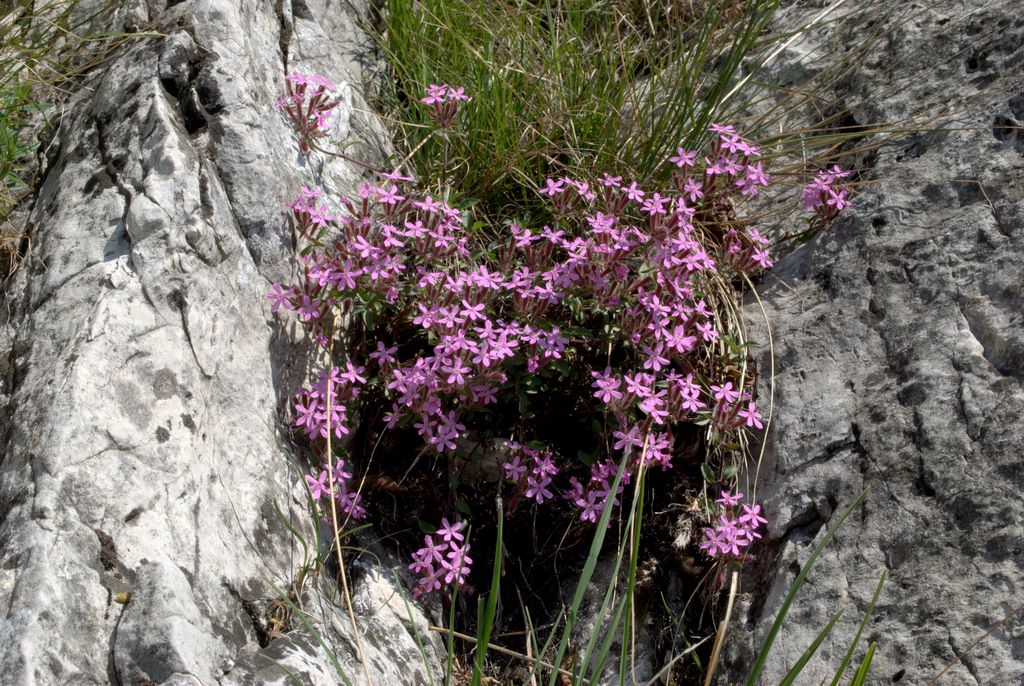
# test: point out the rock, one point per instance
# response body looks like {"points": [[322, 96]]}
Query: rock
{"points": [[163, 636], [143, 456], [391, 631], [899, 360]]}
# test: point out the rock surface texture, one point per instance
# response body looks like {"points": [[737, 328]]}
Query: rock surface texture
{"points": [[144, 377], [899, 360]]}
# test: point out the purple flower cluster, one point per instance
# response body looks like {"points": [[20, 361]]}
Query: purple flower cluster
{"points": [[443, 560], [733, 408], [633, 256], [827, 194], [444, 102], [460, 326], [732, 164], [319, 484], [593, 498], [737, 528], [397, 260], [531, 471], [308, 105], [412, 254], [311, 403]]}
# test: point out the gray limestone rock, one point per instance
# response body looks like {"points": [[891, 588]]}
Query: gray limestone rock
{"points": [[143, 457], [163, 636], [899, 360]]}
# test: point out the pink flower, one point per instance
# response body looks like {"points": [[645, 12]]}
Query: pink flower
{"points": [[693, 189], [309, 309], [729, 500], [537, 488], [634, 193], [607, 386], [435, 94], [684, 158], [384, 355], [444, 101], [553, 187], [752, 516], [353, 374], [280, 297], [458, 564], [514, 469], [627, 439], [733, 534], [318, 486], [752, 416], [762, 258], [450, 532], [827, 194], [725, 393]]}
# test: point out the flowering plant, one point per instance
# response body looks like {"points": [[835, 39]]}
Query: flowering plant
{"points": [[451, 332], [737, 528], [827, 194], [308, 106], [442, 563], [444, 101]]}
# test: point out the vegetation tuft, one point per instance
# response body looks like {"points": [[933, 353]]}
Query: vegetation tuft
{"points": [[539, 379]]}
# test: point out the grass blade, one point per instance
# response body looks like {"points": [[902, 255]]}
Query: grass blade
{"points": [[414, 631], [811, 650], [487, 620], [297, 612], [794, 588], [860, 630], [633, 522], [861, 676], [588, 570]]}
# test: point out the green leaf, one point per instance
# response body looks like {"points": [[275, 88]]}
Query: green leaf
{"points": [[708, 473], [561, 366], [463, 507]]}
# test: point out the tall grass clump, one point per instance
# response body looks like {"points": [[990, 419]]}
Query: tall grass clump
{"points": [[562, 88]]}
